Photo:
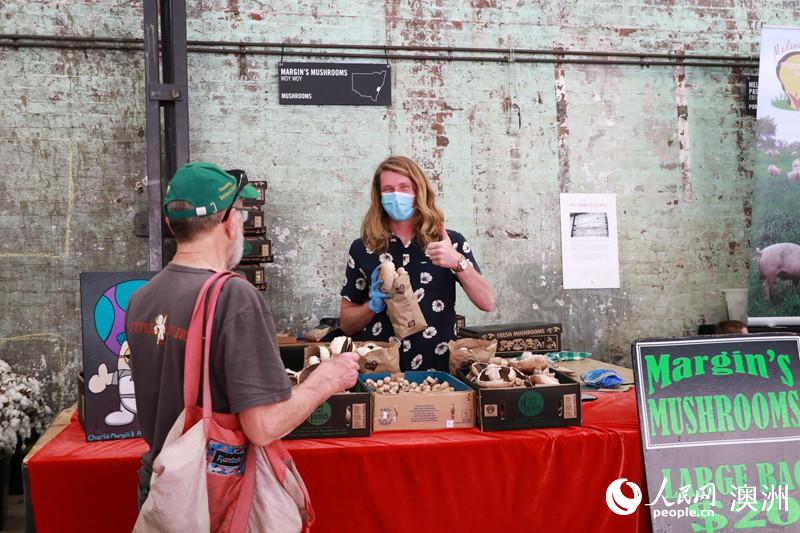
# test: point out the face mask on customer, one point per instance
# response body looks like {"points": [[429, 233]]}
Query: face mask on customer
{"points": [[399, 206]]}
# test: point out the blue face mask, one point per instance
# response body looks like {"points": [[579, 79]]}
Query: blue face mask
{"points": [[399, 206]]}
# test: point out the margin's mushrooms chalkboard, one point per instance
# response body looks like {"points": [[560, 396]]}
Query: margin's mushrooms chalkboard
{"points": [[720, 425]]}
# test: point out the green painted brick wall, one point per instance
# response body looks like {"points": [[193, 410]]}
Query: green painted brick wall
{"points": [[72, 152]]}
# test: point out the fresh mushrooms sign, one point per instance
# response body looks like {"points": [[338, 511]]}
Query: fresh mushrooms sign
{"points": [[720, 425]]}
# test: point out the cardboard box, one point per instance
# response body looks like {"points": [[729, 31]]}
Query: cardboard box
{"points": [[535, 337], [528, 407], [415, 410], [257, 250], [254, 274], [286, 338], [347, 414], [461, 322], [255, 224], [292, 355], [261, 187]]}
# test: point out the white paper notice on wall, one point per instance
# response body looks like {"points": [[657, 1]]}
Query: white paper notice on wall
{"points": [[589, 241]]}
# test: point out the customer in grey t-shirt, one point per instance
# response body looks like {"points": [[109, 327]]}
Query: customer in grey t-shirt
{"points": [[247, 375]]}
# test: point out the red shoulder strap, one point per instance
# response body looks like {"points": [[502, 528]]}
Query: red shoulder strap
{"points": [[198, 342]]}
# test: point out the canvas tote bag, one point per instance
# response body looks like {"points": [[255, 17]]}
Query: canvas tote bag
{"points": [[208, 477]]}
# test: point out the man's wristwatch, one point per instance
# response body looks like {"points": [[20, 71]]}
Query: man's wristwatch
{"points": [[462, 265]]}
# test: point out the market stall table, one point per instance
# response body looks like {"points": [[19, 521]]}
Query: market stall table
{"points": [[452, 480]]}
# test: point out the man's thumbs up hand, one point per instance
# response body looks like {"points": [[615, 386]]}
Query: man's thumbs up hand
{"points": [[442, 253], [445, 235]]}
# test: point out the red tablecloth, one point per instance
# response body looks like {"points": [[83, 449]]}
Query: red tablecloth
{"points": [[456, 480]]}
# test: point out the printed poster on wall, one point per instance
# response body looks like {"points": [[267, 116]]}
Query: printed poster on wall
{"points": [[773, 285], [589, 244], [720, 427]]}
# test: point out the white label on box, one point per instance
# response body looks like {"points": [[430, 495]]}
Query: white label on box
{"points": [[424, 413], [490, 410], [570, 406], [451, 423], [359, 420]]}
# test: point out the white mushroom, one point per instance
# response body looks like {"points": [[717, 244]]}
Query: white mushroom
{"points": [[324, 353], [341, 345]]}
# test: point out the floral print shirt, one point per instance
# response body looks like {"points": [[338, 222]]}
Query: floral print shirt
{"points": [[435, 288]]}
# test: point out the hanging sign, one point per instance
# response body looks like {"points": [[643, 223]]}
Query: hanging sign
{"points": [[720, 424], [335, 84]]}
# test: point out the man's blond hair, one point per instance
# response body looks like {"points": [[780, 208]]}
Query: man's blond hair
{"points": [[427, 217]]}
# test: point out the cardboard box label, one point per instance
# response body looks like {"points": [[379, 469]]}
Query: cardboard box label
{"points": [[570, 406], [532, 336], [530, 403], [359, 420], [424, 413], [355, 415], [321, 415], [386, 416]]}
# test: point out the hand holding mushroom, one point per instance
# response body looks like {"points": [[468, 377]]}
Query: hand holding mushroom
{"points": [[377, 295], [338, 346]]}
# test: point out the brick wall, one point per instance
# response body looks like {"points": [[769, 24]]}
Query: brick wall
{"points": [[672, 143]]}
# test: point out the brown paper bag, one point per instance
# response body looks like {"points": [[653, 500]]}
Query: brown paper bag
{"points": [[464, 352], [384, 359], [403, 308]]}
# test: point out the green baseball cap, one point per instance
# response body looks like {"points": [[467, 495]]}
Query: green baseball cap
{"points": [[207, 187]]}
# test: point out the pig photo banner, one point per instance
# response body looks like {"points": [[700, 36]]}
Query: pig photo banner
{"points": [[774, 282]]}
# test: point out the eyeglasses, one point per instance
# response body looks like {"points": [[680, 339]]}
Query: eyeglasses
{"points": [[241, 181]]}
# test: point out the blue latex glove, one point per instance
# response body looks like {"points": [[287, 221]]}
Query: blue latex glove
{"points": [[377, 296], [606, 378]]}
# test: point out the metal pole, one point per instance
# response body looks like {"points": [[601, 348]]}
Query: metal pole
{"points": [[439, 53], [152, 134], [169, 92], [174, 72]]}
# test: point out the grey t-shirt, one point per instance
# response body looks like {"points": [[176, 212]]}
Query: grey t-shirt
{"points": [[246, 368]]}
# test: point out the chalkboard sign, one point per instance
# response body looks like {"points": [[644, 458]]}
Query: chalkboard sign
{"points": [[720, 425], [335, 84]]}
